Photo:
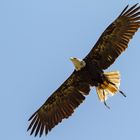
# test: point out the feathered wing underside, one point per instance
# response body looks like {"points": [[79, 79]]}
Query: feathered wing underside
{"points": [[115, 38], [60, 105]]}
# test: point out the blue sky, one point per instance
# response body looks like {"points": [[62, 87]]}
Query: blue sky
{"points": [[37, 38]]}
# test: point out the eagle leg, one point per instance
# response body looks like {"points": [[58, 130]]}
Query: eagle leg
{"points": [[119, 90], [106, 105], [105, 101], [122, 93]]}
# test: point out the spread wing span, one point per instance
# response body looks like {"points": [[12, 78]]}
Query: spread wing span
{"points": [[59, 105], [115, 38], [62, 103]]}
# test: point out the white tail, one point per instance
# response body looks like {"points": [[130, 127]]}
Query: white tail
{"points": [[110, 86]]}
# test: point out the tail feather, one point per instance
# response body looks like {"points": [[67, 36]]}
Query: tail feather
{"points": [[110, 86]]}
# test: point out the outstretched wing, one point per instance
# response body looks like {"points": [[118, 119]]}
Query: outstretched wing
{"points": [[59, 105], [115, 38]]}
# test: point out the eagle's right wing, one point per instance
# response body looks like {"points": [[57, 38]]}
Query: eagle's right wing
{"points": [[59, 105]]}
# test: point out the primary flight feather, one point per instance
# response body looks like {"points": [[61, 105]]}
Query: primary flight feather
{"points": [[88, 73]]}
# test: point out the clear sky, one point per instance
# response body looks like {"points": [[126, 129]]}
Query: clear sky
{"points": [[37, 38]]}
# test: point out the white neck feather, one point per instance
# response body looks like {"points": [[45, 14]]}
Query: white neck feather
{"points": [[78, 63]]}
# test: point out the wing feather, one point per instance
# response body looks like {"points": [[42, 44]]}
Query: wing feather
{"points": [[115, 38], [59, 105], [41, 129]]}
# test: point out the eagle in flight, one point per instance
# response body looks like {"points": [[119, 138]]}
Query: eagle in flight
{"points": [[89, 72]]}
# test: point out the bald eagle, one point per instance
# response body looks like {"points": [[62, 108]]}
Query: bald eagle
{"points": [[89, 72]]}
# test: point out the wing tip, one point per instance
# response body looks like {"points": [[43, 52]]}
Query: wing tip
{"points": [[126, 10]]}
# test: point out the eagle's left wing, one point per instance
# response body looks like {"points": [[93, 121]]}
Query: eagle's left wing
{"points": [[59, 105], [115, 38]]}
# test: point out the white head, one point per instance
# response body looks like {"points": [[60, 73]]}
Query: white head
{"points": [[78, 63]]}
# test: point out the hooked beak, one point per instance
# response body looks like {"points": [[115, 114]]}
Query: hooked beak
{"points": [[72, 59]]}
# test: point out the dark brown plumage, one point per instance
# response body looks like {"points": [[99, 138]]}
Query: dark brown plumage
{"points": [[60, 104], [115, 38], [71, 93]]}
